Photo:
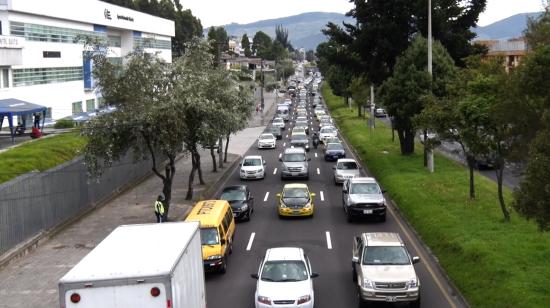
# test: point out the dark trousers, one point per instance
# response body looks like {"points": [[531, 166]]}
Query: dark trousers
{"points": [[37, 123], [159, 217]]}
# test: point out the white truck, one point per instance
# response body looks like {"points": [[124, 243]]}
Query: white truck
{"points": [[146, 266]]}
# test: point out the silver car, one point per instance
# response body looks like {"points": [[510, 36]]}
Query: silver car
{"points": [[344, 169], [362, 197]]}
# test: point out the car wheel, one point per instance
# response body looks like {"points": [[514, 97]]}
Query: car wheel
{"points": [[223, 268], [361, 302], [354, 273], [248, 215], [349, 217], [383, 218], [416, 303]]}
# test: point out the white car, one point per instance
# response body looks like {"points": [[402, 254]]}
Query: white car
{"points": [[266, 141], [284, 279], [252, 167], [327, 132], [278, 122]]}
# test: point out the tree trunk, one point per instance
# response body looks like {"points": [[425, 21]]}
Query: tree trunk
{"points": [[406, 140], [199, 169], [226, 147], [220, 148], [170, 170], [392, 130], [471, 161], [500, 175], [214, 164], [425, 132], [189, 195]]}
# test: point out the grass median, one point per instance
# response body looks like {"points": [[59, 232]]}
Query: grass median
{"points": [[41, 154], [494, 263]]}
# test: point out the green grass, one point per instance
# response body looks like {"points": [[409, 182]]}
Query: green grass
{"points": [[494, 263], [41, 154]]}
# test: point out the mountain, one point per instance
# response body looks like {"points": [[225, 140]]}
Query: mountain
{"points": [[304, 30], [510, 27]]}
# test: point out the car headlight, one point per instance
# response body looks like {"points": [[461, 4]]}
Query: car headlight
{"points": [[282, 204], [285, 168], [304, 299], [264, 300], [242, 171], [214, 257], [367, 283], [308, 205], [244, 207], [413, 283], [382, 203]]}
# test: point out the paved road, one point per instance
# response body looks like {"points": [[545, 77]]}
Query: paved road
{"points": [[331, 259]]}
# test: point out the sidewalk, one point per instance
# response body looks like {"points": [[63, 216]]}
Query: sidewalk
{"points": [[31, 281]]}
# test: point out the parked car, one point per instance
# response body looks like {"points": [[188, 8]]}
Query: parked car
{"points": [[295, 200], [267, 140], [299, 139], [334, 151], [241, 201], [284, 278], [276, 131], [363, 197], [294, 163], [385, 270], [252, 167], [278, 122], [346, 168]]}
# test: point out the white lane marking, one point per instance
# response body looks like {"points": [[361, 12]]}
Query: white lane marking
{"points": [[252, 235], [286, 136], [315, 154], [318, 171], [284, 144], [280, 154], [275, 171], [322, 196], [329, 243], [266, 196]]}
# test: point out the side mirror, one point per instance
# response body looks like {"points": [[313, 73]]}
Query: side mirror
{"points": [[334, 167], [345, 191], [314, 275], [251, 198], [355, 259], [280, 159], [265, 163], [416, 259], [278, 195], [312, 195], [309, 159], [384, 191], [255, 276]]}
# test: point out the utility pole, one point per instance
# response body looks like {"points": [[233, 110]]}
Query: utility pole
{"points": [[372, 106], [431, 163], [262, 83]]}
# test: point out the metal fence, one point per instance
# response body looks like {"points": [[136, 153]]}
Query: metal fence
{"points": [[39, 201]]}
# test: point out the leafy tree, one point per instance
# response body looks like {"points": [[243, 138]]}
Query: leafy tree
{"points": [[278, 52], [281, 36], [310, 55], [538, 30], [360, 91], [284, 69], [124, 3], [219, 42], [262, 45], [245, 43], [405, 93], [187, 28]]}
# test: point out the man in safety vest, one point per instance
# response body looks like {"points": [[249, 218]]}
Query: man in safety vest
{"points": [[159, 208]]}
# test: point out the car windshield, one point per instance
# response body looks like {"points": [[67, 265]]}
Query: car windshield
{"points": [[385, 255], [294, 157], [233, 195], [284, 271], [334, 146], [365, 188], [277, 120], [347, 165], [301, 119], [209, 236], [274, 129], [252, 162], [299, 137], [264, 137], [327, 130], [295, 193]]}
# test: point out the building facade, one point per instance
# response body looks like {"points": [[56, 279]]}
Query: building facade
{"points": [[511, 51], [42, 54]]}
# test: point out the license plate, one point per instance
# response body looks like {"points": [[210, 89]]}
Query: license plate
{"points": [[391, 299], [296, 212], [367, 211], [294, 174]]}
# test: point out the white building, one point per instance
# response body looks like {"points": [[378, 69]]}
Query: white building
{"points": [[41, 59]]}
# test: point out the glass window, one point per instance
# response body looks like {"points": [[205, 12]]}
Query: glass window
{"points": [[294, 157], [233, 195], [77, 107], [49, 113], [34, 76], [90, 105], [295, 193], [35, 32], [348, 165], [365, 188], [252, 162], [385, 255], [284, 271], [209, 236], [4, 78]]}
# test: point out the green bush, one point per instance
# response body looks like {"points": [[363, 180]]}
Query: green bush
{"points": [[64, 123]]}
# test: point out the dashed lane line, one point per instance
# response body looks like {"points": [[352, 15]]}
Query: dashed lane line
{"points": [[275, 171], [266, 196], [249, 246], [329, 242], [322, 196]]}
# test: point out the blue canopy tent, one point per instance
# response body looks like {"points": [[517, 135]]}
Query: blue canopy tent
{"points": [[13, 107]]}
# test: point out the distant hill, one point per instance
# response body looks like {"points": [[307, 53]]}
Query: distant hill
{"points": [[304, 30], [510, 27]]}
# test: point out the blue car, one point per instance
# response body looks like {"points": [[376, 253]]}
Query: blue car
{"points": [[334, 151]]}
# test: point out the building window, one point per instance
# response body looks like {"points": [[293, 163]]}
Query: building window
{"points": [[77, 107], [4, 78], [49, 113], [100, 102], [146, 42], [90, 105], [34, 32], [34, 76], [51, 54]]}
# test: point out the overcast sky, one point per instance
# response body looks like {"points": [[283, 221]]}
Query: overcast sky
{"points": [[221, 12]]}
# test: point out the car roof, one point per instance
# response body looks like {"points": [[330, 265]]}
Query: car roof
{"points": [[284, 253], [275, 118], [253, 157], [346, 160], [298, 133], [267, 134], [295, 150], [363, 180], [295, 185], [382, 239]]}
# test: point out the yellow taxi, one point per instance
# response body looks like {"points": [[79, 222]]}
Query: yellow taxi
{"points": [[295, 200]]}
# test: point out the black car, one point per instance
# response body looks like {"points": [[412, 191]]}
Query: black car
{"points": [[333, 151], [241, 201], [300, 140], [276, 131]]}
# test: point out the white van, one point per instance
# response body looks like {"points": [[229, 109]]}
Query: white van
{"points": [[283, 112]]}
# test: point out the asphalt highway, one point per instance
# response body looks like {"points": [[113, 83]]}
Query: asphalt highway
{"points": [[326, 239]]}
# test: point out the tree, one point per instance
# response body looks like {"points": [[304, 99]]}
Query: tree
{"points": [[360, 91], [145, 122], [284, 69], [406, 92], [124, 3], [310, 55], [245, 43], [281, 36], [187, 27], [262, 45], [219, 42], [538, 30]]}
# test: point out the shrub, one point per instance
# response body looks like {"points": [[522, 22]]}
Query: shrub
{"points": [[64, 123]]}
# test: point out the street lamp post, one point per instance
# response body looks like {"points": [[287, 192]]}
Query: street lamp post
{"points": [[431, 163]]}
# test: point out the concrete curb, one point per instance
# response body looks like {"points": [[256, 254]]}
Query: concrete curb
{"points": [[454, 291]]}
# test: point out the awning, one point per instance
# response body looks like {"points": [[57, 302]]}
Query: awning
{"points": [[14, 107]]}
